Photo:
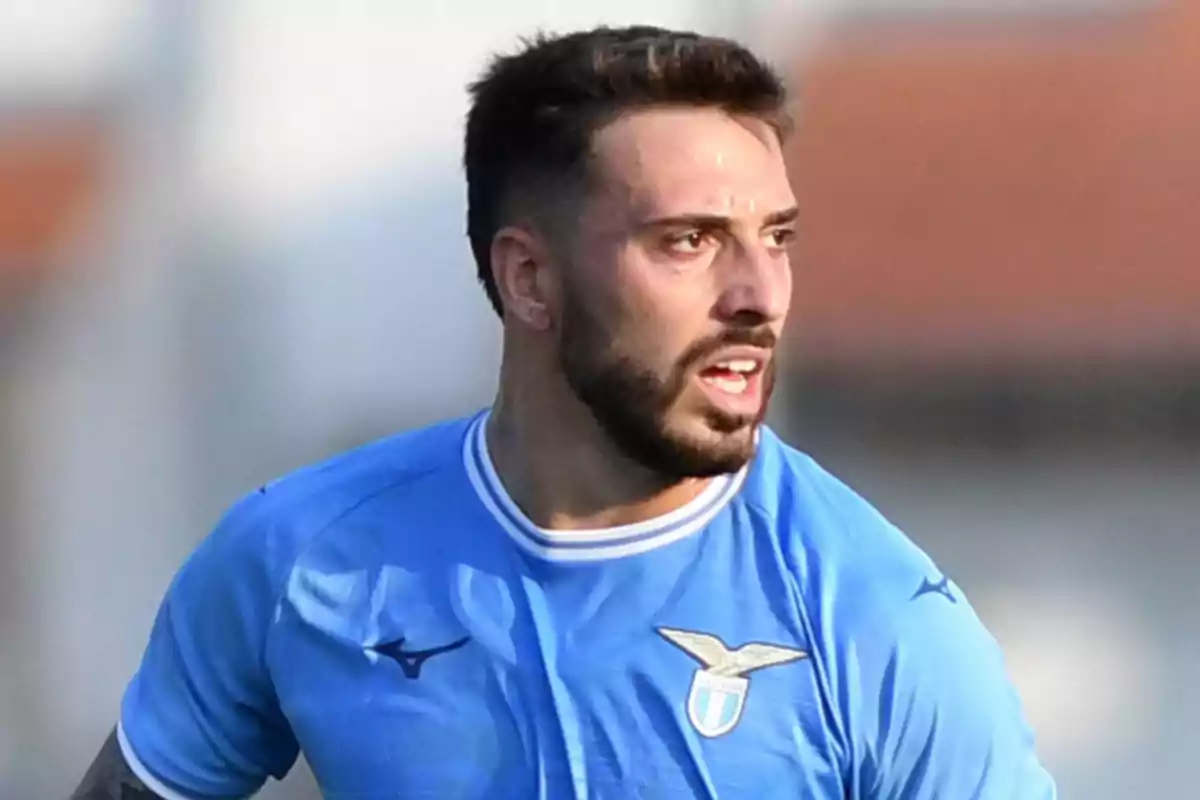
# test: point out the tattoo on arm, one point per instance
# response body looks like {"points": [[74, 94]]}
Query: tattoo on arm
{"points": [[110, 778]]}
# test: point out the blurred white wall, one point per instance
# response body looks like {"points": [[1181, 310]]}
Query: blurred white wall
{"points": [[64, 50], [97, 439]]}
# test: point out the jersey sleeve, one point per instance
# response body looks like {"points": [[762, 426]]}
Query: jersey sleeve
{"points": [[200, 717], [949, 723]]}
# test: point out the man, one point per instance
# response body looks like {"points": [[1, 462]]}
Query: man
{"points": [[616, 582]]}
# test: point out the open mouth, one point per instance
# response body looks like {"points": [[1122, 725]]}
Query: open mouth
{"points": [[735, 376]]}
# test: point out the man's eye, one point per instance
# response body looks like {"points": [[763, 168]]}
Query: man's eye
{"points": [[689, 242], [782, 237]]}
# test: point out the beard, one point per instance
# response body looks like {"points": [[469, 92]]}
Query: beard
{"points": [[632, 403]]}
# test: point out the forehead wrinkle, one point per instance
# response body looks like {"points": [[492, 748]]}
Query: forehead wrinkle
{"points": [[742, 204], [645, 171]]}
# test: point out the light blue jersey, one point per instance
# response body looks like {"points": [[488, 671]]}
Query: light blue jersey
{"points": [[395, 616]]}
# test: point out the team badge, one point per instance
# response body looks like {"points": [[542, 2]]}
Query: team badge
{"points": [[718, 693]]}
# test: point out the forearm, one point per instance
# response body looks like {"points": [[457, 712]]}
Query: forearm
{"points": [[110, 778]]}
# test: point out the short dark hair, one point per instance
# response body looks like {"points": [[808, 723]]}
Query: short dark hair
{"points": [[533, 113]]}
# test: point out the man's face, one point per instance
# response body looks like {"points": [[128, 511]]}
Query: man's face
{"points": [[678, 286]]}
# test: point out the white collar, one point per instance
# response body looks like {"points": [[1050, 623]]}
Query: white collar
{"points": [[598, 543]]}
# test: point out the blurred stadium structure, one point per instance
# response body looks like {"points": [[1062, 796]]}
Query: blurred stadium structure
{"points": [[231, 241]]}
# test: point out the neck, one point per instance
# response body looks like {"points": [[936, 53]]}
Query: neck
{"points": [[562, 470]]}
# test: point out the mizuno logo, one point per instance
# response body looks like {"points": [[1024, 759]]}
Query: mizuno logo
{"points": [[942, 588], [411, 661], [718, 692]]}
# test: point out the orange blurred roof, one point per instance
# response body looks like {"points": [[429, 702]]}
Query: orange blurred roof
{"points": [[50, 175], [1002, 192]]}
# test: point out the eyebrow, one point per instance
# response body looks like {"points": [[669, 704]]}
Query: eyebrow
{"points": [[719, 221]]}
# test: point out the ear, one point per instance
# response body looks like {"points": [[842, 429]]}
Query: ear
{"points": [[521, 266]]}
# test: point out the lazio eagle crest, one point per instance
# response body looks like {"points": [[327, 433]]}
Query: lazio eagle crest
{"points": [[719, 687]]}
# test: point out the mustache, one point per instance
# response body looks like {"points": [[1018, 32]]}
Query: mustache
{"points": [[763, 338]]}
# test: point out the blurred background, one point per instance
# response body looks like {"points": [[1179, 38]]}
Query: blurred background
{"points": [[231, 241]]}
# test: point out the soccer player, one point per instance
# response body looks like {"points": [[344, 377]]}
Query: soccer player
{"points": [[615, 582]]}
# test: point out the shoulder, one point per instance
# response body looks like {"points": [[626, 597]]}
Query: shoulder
{"points": [[899, 641], [318, 492], [870, 591], [829, 529], [267, 529]]}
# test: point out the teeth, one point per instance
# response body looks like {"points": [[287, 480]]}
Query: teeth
{"points": [[743, 366], [734, 385]]}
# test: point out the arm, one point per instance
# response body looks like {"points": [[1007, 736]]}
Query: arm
{"points": [[200, 718], [925, 707], [949, 722], [110, 778]]}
